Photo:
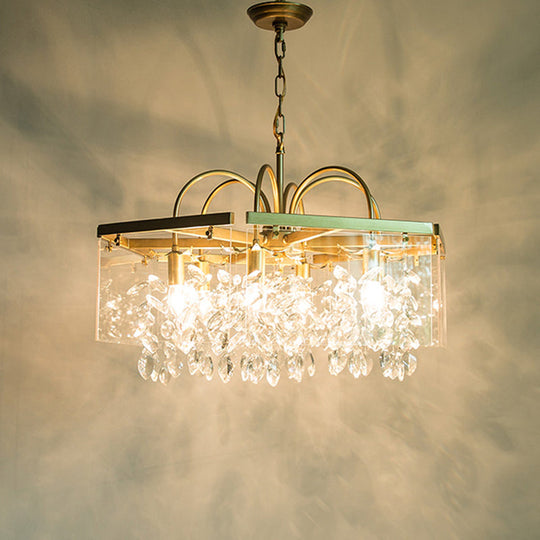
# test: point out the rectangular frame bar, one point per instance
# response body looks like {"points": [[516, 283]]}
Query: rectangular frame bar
{"points": [[168, 223], [338, 222]]}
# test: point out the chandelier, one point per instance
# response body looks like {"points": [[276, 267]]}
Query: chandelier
{"points": [[260, 299]]}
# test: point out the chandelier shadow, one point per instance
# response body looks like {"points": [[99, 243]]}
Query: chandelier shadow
{"points": [[261, 299]]}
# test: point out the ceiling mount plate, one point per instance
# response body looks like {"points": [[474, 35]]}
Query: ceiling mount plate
{"points": [[268, 15]]}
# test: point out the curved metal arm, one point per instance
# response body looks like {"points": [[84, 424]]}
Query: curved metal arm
{"points": [[263, 201], [309, 183], [207, 174], [258, 187], [291, 186], [376, 209]]}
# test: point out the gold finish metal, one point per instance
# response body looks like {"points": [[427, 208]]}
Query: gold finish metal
{"points": [[302, 269], [354, 179], [255, 260], [275, 187], [292, 187], [323, 244], [218, 233], [267, 15], [209, 174], [175, 266], [223, 185], [145, 244], [307, 235]]}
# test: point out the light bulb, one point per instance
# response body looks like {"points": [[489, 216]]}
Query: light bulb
{"points": [[180, 297], [372, 296]]}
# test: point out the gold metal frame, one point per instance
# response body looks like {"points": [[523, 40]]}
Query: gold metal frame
{"points": [[279, 234]]}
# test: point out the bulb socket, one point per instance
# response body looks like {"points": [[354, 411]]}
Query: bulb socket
{"points": [[302, 270], [175, 267], [255, 260]]}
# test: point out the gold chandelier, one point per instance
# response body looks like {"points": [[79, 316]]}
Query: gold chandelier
{"points": [[262, 298]]}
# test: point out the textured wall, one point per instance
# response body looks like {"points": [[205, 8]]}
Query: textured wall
{"points": [[106, 107]]}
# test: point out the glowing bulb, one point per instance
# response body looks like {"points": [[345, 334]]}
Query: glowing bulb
{"points": [[176, 299], [372, 296], [180, 297]]}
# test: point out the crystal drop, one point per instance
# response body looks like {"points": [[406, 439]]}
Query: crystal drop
{"points": [[256, 370], [400, 372], [223, 276], [340, 289], [148, 319], [156, 284], [195, 273], [167, 329], [387, 318], [336, 362], [272, 372], [253, 276], [150, 342], [215, 321], [295, 367], [244, 368], [389, 282], [156, 304], [401, 322], [405, 293], [146, 366], [415, 320], [164, 376], [114, 332], [207, 368], [310, 364], [169, 350], [186, 345], [386, 361], [340, 273], [154, 376], [193, 363], [237, 279], [175, 367], [136, 289], [413, 277], [139, 331], [236, 339], [355, 365], [411, 363], [367, 365], [225, 368], [383, 337]]}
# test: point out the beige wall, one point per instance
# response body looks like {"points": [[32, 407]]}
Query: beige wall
{"points": [[107, 107]]}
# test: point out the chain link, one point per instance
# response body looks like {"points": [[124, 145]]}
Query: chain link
{"points": [[280, 87]]}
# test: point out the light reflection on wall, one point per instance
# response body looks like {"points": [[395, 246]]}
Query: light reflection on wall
{"points": [[106, 108]]}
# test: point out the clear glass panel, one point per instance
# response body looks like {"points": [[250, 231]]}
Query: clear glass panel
{"points": [[258, 300]]}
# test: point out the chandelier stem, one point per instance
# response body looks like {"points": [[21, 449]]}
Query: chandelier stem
{"points": [[280, 89], [280, 181]]}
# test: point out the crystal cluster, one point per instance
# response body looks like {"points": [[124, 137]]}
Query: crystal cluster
{"points": [[267, 327]]}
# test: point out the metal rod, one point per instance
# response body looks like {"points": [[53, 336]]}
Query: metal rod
{"points": [[280, 181], [298, 196], [357, 180], [260, 197], [258, 186], [208, 174], [291, 186]]}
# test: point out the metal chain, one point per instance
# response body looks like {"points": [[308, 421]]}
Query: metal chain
{"points": [[280, 87]]}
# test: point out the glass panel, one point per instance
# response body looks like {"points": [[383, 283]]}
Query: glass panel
{"points": [[259, 299]]}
